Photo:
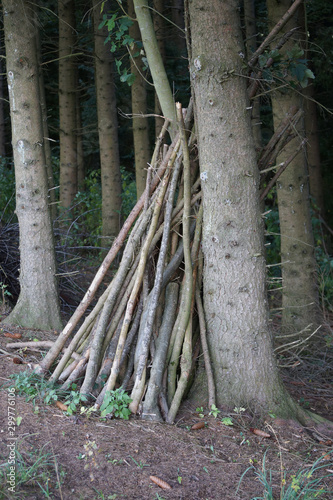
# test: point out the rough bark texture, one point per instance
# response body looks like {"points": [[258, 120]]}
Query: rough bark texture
{"points": [[67, 103], [2, 114], [300, 295], [107, 131], [313, 150], [251, 46], [234, 274], [38, 305], [139, 109]]}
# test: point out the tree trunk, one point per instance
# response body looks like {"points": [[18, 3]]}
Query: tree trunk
{"points": [[234, 274], [2, 113], [107, 131], [38, 305], [47, 146], [251, 46], [300, 294], [67, 103], [158, 21], [139, 109], [313, 150], [161, 83]]}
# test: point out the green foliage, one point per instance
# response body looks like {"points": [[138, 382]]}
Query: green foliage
{"points": [[7, 183], [87, 225], [33, 387], [214, 411], [74, 400], [292, 64], [116, 404], [34, 468], [128, 192], [227, 421], [307, 484], [119, 38], [36, 388]]}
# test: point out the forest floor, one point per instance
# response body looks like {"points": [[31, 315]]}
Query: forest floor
{"points": [[73, 457]]}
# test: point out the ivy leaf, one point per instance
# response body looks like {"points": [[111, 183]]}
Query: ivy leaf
{"points": [[118, 64]]}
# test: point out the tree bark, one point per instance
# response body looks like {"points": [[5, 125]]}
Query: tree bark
{"points": [[107, 131], [251, 46], [160, 79], [235, 301], [67, 103], [313, 150], [38, 305], [139, 109], [300, 307]]}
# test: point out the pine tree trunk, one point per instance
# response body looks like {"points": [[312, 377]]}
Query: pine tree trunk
{"points": [[139, 109], [234, 273], [2, 113], [107, 131], [300, 294], [313, 150], [251, 46], [38, 305], [67, 103]]}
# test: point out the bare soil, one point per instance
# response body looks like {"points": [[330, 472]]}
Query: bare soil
{"points": [[114, 459]]}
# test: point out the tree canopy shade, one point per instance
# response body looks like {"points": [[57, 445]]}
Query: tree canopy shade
{"points": [[38, 303]]}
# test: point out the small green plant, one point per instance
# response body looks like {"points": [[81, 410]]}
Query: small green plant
{"points": [[214, 411], [33, 387], [200, 411], [34, 469], [4, 293], [179, 477], [74, 399], [139, 464], [116, 404], [227, 421], [307, 484], [36, 388], [103, 497]]}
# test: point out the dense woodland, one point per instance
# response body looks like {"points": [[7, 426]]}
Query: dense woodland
{"points": [[185, 148]]}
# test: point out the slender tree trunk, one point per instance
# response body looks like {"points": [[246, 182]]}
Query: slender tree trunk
{"points": [[251, 46], [155, 61], [139, 109], [67, 103], [159, 31], [79, 143], [38, 305], [2, 114], [47, 146], [107, 131], [300, 294], [234, 273]]}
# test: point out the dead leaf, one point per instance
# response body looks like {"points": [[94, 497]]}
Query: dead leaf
{"points": [[326, 443], [61, 406], [13, 335], [162, 484], [260, 433], [198, 425], [17, 361]]}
